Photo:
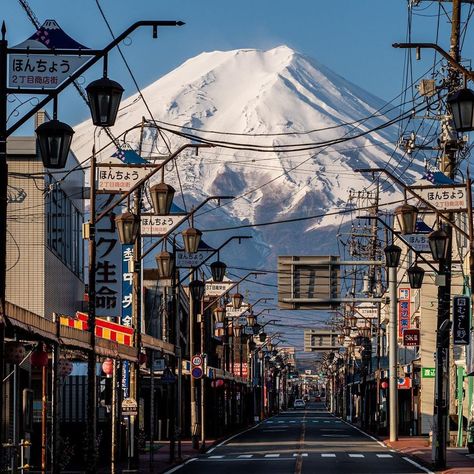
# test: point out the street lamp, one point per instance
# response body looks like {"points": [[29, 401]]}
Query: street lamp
{"points": [[128, 226], [438, 240], [191, 239], [54, 142], [406, 215], [415, 276], [196, 289], [236, 330], [237, 299], [218, 270], [352, 321], [162, 195], [461, 104], [104, 97], [262, 337], [165, 264], [392, 255], [219, 314], [251, 319]]}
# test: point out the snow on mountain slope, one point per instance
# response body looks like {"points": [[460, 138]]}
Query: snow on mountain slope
{"points": [[254, 92]]}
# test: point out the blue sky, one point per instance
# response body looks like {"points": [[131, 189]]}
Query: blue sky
{"points": [[351, 37]]}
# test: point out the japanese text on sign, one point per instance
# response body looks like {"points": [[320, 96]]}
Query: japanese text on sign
{"points": [[444, 198], [411, 337], [190, 260], [461, 318], [38, 71], [117, 179], [217, 289], [152, 225], [404, 311]]}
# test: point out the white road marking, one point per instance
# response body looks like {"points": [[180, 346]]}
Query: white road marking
{"points": [[328, 455], [365, 434], [384, 455], [419, 466], [180, 466], [335, 436], [245, 456], [216, 457], [356, 455], [292, 421], [272, 455]]}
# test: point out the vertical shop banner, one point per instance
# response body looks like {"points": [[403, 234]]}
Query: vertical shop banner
{"points": [[108, 267], [461, 320], [127, 306], [404, 311]]}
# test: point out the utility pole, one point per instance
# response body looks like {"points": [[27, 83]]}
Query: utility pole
{"points": [[448, 167]]}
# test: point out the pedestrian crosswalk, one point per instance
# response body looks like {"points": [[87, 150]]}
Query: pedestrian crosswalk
{"points": [[269, 422], [338, 455]]}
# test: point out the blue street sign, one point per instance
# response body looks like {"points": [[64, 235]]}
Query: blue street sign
{"points": [[196, 372]]}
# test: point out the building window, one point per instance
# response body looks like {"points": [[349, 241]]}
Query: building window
{"points": [[63, 229]]}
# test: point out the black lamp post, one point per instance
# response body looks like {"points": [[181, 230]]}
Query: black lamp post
{"points": [[392, 255], [438, 240], [415, 276], [461, 104], [218, 270], [191, 239], [197, 288], [165, 264], [162, 195], [104, 97], [237, 299], [54, 142], [128, 226], [406, 215]]}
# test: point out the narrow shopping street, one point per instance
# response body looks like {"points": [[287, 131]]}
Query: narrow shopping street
{"points": [[301, 442]]}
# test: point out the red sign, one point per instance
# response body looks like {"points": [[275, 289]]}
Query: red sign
{"points": [[404, 311], [244, 372], [404, 383], [411, 337]]}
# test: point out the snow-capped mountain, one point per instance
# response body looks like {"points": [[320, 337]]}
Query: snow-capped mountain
{"points": [[249, 98]]}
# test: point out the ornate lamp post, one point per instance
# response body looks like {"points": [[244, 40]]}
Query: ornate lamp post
{"points": [[237, 300], [54, 142], [415, 276], [191, 239], [128, 226], [165, 264], [104, 101], [218, 270], [162, 195], [461, 104]]}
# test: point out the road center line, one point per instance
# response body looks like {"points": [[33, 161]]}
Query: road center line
{"points": [[299, 459]]}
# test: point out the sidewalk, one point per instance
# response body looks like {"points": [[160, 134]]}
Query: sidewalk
{"points": [[457, 459], [161, 456]]}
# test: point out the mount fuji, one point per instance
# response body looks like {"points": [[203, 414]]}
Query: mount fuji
{"points": [[250, 99]]}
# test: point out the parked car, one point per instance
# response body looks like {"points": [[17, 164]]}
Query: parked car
{"points": [[299, 404]]}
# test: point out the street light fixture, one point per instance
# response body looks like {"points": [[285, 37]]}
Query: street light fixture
{"points": [[219, 314], [262, 336], [54, 142], [237, 299], [104, 97], [461, 104], [165, 264], [191, 239], [218, 270], [237, 330], [128, 226], [251, 319], [196, 289], [352, 321], [415, 276], [406, 215], [438, 240], [162, 195], [392, 255]]}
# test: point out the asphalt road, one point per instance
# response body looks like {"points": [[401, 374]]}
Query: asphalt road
{"points": [[301, 442]]}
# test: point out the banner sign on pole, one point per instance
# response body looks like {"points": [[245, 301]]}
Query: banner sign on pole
{"points": [[461, 319], [155, 226], [419, 242], [367, 310], [190, 260], [45, 71], [214, 288], [230, 312], [117, 178], [444, 197], [404, 311]]}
